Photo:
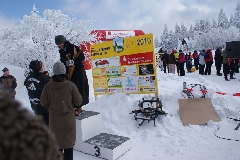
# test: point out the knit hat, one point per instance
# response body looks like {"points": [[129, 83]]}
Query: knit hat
{"points": [[35, 65], [180, 50], [5, 69], [60, 39], [59, 68]]}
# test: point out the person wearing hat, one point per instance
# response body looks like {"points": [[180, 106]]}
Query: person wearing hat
{"points": [[9, 82], [61, 96], [196, 59], [181, 61], [201, 61], [209, 61], [218, 57], [78, 76], [35, 83]]}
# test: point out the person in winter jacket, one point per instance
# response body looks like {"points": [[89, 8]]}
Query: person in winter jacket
{"points": [[171, 62], [225, 65], [181, 61], [228, 66], [209, 61], [23, 135], [61, 96], [231, 67], [236, 65], [176, 54], [218, 57], [9, 82], [35, 83], [196, 59], [189, 62], [79, 77], [201, 62], [165, 61]]}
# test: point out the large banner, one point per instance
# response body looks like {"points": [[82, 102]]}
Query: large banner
{"points": [[124, 65]]}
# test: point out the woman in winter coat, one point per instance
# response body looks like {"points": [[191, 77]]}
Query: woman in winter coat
{"points": [[189, 62], [61, 96], [171, 62], [181, 61], [196, 59], [209, 61], [201, 62]]}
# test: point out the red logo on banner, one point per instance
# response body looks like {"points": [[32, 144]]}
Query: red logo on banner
{"points": [[136, 58]]}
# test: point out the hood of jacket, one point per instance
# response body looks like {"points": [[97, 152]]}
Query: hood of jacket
{"points": [[57, 85]]}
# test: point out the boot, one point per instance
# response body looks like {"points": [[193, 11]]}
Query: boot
{"points": [[220, 74], [232, 78], [226, 79]]}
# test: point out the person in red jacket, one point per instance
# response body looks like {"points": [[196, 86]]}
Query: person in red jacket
{"points": [[181, 61], [209, 61]]}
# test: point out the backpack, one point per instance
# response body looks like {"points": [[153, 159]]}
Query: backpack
{"points": [[206, 56]]}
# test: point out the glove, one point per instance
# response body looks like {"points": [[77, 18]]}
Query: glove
{"points": [[70, 63], [78, 111], [46, 73]]}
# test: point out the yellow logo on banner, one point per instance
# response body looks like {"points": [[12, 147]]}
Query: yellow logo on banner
{"points": [[100, 83], [99, 72], [131, 45]]}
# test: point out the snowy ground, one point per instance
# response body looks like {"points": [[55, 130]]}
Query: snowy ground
{"points": [[170, 139]]}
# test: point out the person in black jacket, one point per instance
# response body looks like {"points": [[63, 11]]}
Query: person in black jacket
{"points": [[79, 77], [35, 83], [165, 61], [218, 60]]}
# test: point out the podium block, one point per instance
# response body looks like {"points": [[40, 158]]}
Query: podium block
{"points": [[91, 140]]}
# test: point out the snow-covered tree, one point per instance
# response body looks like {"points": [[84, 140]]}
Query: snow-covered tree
{"points": [[207, 26], [231, 21], [214, 24], [165, 38], [173, 41], [34, 37], [237, 15], [202, 26], [191, 32], [177, 31], [222, 20], [156, 42], [184, 32], [197, 27]]}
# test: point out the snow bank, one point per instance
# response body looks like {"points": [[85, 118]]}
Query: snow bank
{"points": [[170, 139]]}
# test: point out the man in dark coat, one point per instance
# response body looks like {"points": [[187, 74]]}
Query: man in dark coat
{"points": [[218, 60], [196, 59], [79, 77], [9, 82], [165, 61], [35, 83]]}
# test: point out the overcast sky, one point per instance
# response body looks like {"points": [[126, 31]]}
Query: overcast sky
{"points": [[147, 15]]}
